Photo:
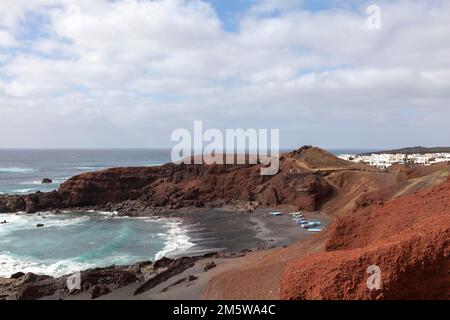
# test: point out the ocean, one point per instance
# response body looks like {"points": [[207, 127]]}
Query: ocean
{"points": [[74, 241], [22, 170]]}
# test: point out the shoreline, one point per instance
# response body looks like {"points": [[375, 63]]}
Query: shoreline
{"points": [[174, 238], [218, 232], [207, 230], [227, 207]]}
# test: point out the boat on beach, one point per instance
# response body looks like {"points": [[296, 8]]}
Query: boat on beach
{"points": [[310, 224], [276, 213]]}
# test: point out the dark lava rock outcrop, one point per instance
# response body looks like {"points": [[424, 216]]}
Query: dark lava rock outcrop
{"points": [[298, 182], [101, 281]]}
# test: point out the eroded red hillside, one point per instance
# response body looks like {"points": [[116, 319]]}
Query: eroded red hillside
{"points": [[407, 237], [298, 183]]}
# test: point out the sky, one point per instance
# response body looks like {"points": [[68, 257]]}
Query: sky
{"points": [[126, 73]]}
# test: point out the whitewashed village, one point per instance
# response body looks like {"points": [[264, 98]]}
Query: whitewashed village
{"points": [[385, 160]]}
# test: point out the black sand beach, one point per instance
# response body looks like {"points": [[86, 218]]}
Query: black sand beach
{"points": [[216, 230], [213, 230]]}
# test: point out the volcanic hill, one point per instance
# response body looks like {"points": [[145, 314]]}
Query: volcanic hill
{"points": [[397, 219], [407, 237], [300, 183]]}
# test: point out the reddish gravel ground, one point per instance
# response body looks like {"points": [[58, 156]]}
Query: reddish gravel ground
{"points": [[408, 238], [257, 275]]}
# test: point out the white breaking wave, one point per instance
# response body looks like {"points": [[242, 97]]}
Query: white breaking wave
{"points": [[28, 221], [39, 182], [32, 182], [104, 213], [24, 190], [15, 169], [177, 241], [91, 168], [10, 265]]}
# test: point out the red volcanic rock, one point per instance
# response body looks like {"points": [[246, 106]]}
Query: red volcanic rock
{"points": [[29, 203], [315, 158], [11, 203], [414, 267], [181, 185], [408, 238], [390, 218], [111, 185]]}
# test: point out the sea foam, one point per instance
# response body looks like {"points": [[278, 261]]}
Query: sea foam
{"points": [[171, 235], [39, 182], [10, 265], [176, 239], [15, 169]]}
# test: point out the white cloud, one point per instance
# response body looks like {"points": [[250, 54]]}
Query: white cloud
{"points": [[138, 69], [6, 39]]}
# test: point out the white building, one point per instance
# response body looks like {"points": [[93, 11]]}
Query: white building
{"points": [[386, 160]]}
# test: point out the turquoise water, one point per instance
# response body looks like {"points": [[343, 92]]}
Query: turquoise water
{"points": [[75, 241]]}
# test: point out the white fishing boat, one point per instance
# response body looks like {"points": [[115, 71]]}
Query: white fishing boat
{"points": [[314, 223], [276, 213], [314, 229]]}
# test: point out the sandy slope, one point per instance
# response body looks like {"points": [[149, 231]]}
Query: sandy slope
{"points": [[409, 233], [407, 237]]}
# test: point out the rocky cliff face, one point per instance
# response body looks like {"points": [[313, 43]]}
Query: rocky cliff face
{"points": [[174, 186], [30, 203], [407, 237]]}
